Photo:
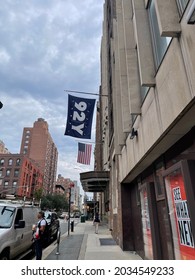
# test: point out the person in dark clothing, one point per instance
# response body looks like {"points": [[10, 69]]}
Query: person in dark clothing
{"points": [[96, 222], [37, 235]]}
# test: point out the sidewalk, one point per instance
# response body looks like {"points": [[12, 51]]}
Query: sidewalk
{"points": [[84, 244]]}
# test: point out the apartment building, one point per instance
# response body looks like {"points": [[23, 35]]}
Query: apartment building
{"points": [[37, 144], [147, 109], [19, 176]]}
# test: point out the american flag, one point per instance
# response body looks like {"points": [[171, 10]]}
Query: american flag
{"points": [[84, 153]]}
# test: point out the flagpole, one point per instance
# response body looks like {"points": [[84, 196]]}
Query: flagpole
{"points": [[87, 142], [84, 92]]}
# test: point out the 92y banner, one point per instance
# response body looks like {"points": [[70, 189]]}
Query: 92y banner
{"points": [[80, 117]]}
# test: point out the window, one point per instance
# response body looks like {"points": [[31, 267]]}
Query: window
{"points": [[15, 183], [2, 161], [10, 161], [6, 183], [160, 44], [18, 161], [7, 215], [16, 173], [144, 91], [8, 171], [19, 216], [182, 4], [1, 173]]}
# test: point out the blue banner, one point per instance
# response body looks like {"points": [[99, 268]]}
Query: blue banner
{"points": [[80, 117]]}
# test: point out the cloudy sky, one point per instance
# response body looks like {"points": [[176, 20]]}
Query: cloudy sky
{"points": [[46, 47]]}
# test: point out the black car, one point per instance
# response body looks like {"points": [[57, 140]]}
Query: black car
{"points": [[53, 224]]}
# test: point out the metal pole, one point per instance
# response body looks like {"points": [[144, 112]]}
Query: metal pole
{"points": [[69, 211], [84, 92], [58, 242]]}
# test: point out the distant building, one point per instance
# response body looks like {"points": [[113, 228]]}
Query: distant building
{"points": [[76, 195], [62, 185], [37, 144], [3, 149], [19, 176]]}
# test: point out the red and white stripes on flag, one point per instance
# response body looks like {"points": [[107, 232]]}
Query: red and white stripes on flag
{"points": [[84, 153]]}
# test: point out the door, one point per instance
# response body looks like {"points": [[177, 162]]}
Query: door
{"points": [[146, 222], [18, 242]]}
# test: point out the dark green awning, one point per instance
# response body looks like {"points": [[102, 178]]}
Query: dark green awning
{"points": [[94, 181]]}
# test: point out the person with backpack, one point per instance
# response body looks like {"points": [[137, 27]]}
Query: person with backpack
{"points": [[38, 235]]}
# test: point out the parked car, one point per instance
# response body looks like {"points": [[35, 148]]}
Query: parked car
{"points": [[77, 215], [64, 215], [16, 220], [53, 225]]}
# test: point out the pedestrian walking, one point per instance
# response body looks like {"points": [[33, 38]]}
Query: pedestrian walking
{"points": [[38, 231], [96, 222]]}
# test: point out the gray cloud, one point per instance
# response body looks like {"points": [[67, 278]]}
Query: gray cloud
{"points": [[46, 47]]}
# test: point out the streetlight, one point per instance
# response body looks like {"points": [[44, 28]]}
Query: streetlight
{"points": [[71, 185]]}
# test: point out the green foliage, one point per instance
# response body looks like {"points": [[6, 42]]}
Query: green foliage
{"points": [[38, 194], [54, 201]]}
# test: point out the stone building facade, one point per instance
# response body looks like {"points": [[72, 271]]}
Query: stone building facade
{"points": [[148, 125]]}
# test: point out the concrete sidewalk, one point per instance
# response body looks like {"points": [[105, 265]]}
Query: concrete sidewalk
{"points": [[84, 244]]}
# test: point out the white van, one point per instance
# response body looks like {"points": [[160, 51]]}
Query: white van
{"points": [[16, 220]]}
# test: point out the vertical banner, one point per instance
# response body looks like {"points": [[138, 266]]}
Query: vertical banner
{"points": [[80, 117], [180, 218]]}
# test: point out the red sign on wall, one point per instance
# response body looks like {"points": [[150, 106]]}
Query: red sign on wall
{"points": [[180, 217]]}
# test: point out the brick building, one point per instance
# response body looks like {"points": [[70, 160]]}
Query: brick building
{"points": [[37, 144], [19, 176], [62, 185]]}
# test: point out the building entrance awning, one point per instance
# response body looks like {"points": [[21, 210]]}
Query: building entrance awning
{"points": [[94, 181]]}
